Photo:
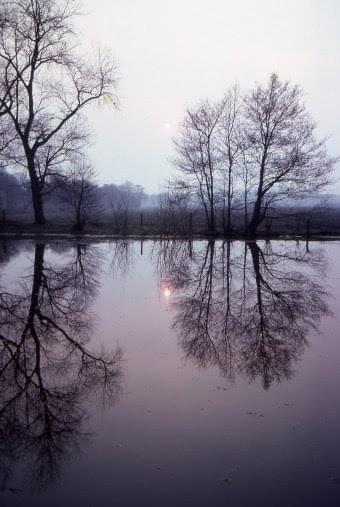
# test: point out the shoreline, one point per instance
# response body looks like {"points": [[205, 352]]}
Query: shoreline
{"points": [[73, 237]]}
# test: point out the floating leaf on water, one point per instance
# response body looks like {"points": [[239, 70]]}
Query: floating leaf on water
{"points": [[226, 480]]}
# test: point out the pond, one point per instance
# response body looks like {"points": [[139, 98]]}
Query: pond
{"points": [[169, 373]]}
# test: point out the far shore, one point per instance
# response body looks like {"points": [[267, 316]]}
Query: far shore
{"points": [[102, 237]]}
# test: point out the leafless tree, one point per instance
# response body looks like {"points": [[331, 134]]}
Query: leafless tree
{"points": [[78, 191], [282, 152], [47, 83], [173, 207], [250, 151], [53, 160], [231, 147], [121, 199], [198, 158]]}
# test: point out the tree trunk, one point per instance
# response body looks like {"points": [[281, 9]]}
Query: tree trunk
{"points": [[78, 226], [212, 225], [38, 208], [223, 210], [255, 220], [212, 221], [229, 202]]}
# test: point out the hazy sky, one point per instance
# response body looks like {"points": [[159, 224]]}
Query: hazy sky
{"points": [[172, 53]]}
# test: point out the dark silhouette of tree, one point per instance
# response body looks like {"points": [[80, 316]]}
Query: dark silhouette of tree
{"points": [[174, 209], [119, 201], [285, 158], [45, 85], [78, 191], [250, 153], [231, 148], [198, 157]]}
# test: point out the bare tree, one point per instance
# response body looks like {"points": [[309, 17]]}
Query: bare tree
{"points": [[46, 82], [282, 152], [231, 150], [79, 192], [173, 207], [198, 157], [119, 201]]}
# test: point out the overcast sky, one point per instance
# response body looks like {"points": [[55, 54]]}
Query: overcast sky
{"points": [[173, 53]]}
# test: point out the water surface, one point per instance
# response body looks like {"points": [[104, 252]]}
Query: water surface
{"points": [[169, 373]]}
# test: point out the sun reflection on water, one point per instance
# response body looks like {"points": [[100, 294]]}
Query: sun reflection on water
{"points": [[167, 291]]}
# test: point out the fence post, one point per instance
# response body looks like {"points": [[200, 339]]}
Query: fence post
{"points": [[307, 234]]}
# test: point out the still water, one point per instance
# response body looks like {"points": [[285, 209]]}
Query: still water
{"points": [[169, 374]]}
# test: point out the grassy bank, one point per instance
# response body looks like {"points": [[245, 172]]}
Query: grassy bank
{"points": [[104, 231]]}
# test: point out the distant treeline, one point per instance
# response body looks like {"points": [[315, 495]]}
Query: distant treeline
{"points": [[127, 209], [63, 199]]}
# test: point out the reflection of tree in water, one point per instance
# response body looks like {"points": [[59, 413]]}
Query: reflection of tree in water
{"points": [[47, 369], [284, 304], [244, 308], [173, 261], [122, 257]]}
